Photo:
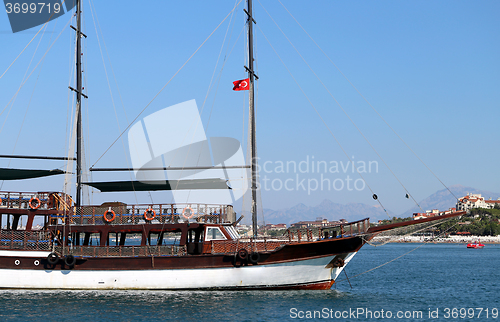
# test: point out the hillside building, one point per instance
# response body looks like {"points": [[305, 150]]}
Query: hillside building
{"points": [[475, 201]]}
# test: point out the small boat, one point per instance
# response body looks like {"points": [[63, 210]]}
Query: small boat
{"points": [[476, 245]]}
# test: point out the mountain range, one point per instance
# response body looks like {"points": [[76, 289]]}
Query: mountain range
{"points": [[330, 210], [443, 199]]}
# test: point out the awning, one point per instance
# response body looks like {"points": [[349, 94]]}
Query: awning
{"points": [[112, 186], [18, 174]]}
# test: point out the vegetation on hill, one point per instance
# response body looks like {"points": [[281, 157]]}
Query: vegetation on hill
{"points": [[480, 222]]}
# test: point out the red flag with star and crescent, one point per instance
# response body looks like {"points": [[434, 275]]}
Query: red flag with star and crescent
{"points": [[241, 85]]}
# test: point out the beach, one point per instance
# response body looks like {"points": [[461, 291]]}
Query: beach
{"points": [[449, 239]]}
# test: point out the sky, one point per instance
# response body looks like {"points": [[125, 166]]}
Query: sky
{"points": [[429, 69]]}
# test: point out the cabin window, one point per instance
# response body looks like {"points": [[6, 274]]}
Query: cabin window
{"points": [[171, 238], [164, 238], [214, 233], [86, 239]]}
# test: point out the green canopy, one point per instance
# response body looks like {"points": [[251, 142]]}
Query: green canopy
{"points": [[17, 174], [112, 186]]}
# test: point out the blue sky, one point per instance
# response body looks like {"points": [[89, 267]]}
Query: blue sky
{"points": [[430, 68]]}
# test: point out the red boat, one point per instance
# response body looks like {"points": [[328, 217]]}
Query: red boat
{"points": [[475, 245]]}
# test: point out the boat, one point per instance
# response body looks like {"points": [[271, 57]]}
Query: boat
{"points": [[164, 246], [476, 245]]}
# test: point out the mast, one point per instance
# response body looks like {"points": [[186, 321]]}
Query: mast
{"points": [[253, 150], [78, 104]]}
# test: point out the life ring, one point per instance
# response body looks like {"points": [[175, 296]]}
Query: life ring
{"points": [[190, 211], [339, 262], [254, 258], [149, 214], [106, 218], [242, 254], [52, 258], [37, 205], [70, 260]]}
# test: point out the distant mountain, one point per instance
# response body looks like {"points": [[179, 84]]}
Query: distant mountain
{"points": [[444, 200], [441, 200], [326, 209]]}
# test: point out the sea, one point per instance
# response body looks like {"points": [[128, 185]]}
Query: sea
{"points": [[398, 282]]}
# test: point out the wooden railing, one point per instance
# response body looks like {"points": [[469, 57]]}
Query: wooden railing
{"points": [[25, 240], [332, 231], [122, 214], [122, 251]]}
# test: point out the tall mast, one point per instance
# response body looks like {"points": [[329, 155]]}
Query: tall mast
{"points": [[78, 103], [253, 150]]}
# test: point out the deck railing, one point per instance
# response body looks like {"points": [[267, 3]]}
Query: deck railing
{"points": [[250, 245], [332, 231], [121, 251], [41, 241], [122, 214], [21, 200], [25, 240], [35, 200]]}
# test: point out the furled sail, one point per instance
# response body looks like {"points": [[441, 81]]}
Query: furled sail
{"points": [[17, 174], [112, 186]]}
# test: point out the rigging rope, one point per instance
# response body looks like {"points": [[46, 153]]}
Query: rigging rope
{"points": [[34, 68], [208, 92], [343, 110], [94, 19], [324, 122], [43, 26], [161, 90], [373, 108], [29, 102], [394, 259]]}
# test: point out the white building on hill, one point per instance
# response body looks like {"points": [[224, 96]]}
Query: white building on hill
{"points": [[475, 201]]}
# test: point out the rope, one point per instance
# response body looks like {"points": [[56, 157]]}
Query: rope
{"points": [[44, 25], [373, 108], [210, 89], [34, 68], [340, 106], [161, 90], [324, 123], [392, 260], [390, 238], [94, 19], [29, 102]]}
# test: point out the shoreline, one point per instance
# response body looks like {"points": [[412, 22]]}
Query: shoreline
{"points": [[450, 239]]}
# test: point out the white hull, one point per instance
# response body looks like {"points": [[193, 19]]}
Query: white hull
{"points": [[290, 274]]}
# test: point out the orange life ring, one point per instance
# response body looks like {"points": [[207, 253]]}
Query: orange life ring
{"points": [[105, 217], [184, 211], [38, 203], [149, 214]]}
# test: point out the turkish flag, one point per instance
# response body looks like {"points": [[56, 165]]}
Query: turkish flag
{"points": [[241, 85]]}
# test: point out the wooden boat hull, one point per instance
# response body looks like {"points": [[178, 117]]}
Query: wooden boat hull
{"points": [[311, 269], [302, 274]]}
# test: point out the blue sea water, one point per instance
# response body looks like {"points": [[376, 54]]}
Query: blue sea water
{"points": [[435, 282]]}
